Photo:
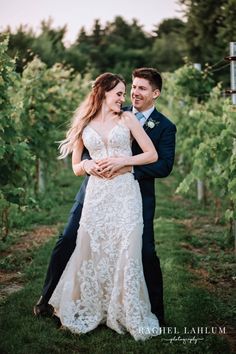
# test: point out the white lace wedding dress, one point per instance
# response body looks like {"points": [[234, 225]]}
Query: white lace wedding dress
{"points": [[103, 281]]}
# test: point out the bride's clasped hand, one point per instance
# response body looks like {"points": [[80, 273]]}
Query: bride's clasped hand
{"points": [[110, 165], [106, 168]]}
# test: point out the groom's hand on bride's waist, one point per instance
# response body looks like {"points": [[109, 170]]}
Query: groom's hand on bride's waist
{"points": [[92, 168], [121, 171]]}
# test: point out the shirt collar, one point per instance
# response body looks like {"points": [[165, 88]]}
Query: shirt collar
{"points": [[146, 113]]}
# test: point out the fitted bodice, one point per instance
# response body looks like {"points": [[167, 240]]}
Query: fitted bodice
{"points": [[118, 142]]}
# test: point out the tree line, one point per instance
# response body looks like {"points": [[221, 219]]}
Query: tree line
{"points": [[202, 36]]}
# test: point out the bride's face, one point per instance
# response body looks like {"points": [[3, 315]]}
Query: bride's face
{"points": [[115, 98]]}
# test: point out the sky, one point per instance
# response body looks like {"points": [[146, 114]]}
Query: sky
{"points": [[78, 13]]}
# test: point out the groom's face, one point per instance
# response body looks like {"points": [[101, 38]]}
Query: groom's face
{"points": [[143, 94]]}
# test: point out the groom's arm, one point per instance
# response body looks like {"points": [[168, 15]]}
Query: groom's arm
{"points": [[85, 155], [81, 193], [166, 154]]}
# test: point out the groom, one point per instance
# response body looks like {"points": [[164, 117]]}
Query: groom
{"points": [[146, 88]]}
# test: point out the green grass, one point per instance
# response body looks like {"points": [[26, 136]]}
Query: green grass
{"points": [[188, 302]]}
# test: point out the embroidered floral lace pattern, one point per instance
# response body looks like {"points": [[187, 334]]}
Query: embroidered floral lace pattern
{"points": [[103, 281]]}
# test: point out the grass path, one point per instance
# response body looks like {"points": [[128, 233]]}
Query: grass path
{"points": [[197, 265]]}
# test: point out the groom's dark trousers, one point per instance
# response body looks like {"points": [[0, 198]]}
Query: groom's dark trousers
{"points": [[163, 137]]}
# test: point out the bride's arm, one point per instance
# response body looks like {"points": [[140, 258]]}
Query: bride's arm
{"points": [[149, 154], [77, 164]]}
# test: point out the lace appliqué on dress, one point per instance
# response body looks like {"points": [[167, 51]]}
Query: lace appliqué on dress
{"points": [[103, 281]]}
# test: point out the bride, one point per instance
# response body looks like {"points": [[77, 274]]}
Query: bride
{"points": [[103, 281]]}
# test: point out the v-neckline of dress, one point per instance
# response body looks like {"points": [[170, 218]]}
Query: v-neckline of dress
{"points": [[105, 142]]}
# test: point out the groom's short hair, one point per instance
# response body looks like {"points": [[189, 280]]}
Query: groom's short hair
{"points": [[150, 74]]}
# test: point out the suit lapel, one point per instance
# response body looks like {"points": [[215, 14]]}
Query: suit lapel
{"points": [[152, 122]]}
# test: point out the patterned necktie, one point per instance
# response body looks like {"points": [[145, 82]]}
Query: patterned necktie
{"points": [[139, 115]]}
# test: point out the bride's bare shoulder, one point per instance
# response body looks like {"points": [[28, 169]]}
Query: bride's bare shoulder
{"points": [[127, 117]]}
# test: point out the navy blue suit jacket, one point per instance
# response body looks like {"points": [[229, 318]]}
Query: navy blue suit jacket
{"points": [[163, 138]]}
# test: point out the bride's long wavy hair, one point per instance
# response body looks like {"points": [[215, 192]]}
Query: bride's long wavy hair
{"points": [[88, 110]]}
